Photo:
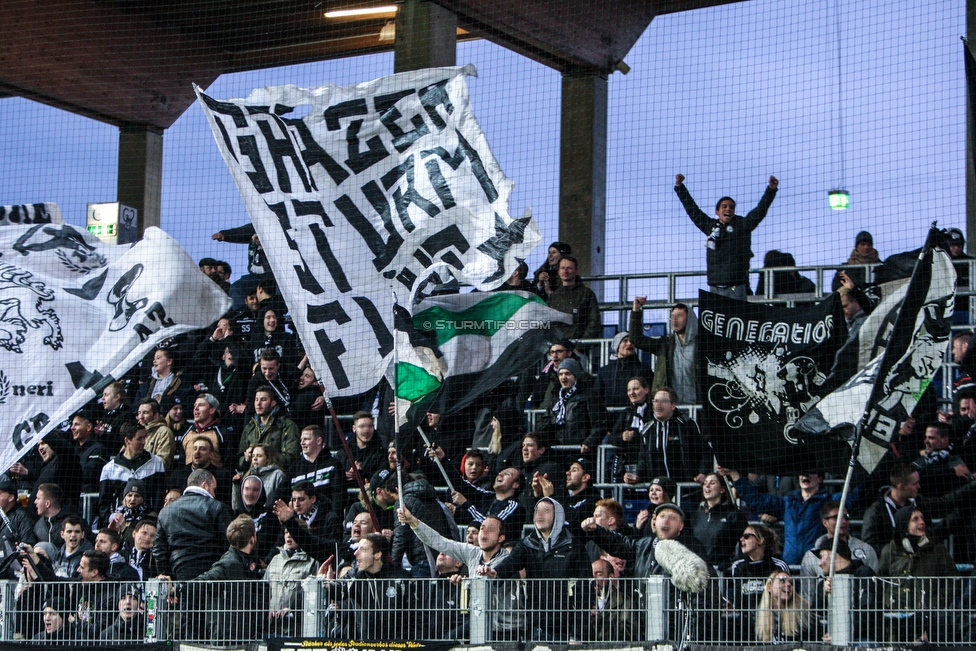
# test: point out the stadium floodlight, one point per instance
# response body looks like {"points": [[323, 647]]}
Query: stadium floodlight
{"points": [[382, 11], [839, 199]]}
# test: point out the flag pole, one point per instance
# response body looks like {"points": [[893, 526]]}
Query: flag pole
{"points": [[396, 409], [352, 462], [437, 460], [855, 449]]}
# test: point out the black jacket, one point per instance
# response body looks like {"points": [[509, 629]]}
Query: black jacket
{"points": [[92, 456], [117, 473], [584, 422], [729, 248], [639, 552], [612, 379], [64, 470], [420, 498], [683, 458], [235, 619], [372, 458], [131, 630], [190, 536], [718, 531], [326, 476], [49, 529]]}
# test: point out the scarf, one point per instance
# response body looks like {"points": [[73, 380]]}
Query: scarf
{"points": [[307, 519], [869, 258], [559, 409], [134, 513], [637, 422]]}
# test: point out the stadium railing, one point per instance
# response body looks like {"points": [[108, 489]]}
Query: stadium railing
{"points": [[863, 611]]}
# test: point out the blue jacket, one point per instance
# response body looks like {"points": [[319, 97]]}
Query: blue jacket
{"points": [[801, 519]]}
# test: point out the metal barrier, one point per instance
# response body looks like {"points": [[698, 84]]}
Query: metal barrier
{"points": [[475, 611]]}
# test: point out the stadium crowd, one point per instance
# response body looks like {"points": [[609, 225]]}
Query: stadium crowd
{"points": [[216, 458]]}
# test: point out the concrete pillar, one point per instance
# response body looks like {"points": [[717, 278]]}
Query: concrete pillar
{"points": [[141, 172], [583, 169], [426, 36]]}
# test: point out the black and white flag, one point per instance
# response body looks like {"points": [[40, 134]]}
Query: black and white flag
{"points": [[30, 213], [376, 185], [908, 334], [76, 313], [760, 369]]}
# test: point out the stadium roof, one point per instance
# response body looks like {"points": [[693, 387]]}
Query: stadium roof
{"points": [[133, 61]]}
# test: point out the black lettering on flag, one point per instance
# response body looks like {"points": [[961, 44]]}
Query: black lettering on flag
{"points": [[448, 237], [41, 215], [504, 238], [356, 160], [341, 110], [383, 252], [313, 154], [226, 108], [35, 213], [389, 114], [305, 277], [383, 335], [155, 312], [322, 242], [280, 149], [259, 177], [433, 96], [331, 350], [440, 184], [407, 278], [29, 427], [402, 199], [466, 151]]}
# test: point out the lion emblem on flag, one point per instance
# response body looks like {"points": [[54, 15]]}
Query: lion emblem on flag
{"points": [[22, 309]]}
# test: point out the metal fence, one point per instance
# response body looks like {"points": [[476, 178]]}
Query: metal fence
{"points": [[730, 611]]}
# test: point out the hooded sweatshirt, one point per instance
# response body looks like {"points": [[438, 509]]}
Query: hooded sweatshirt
{"points": [[555, 556], [675, 359]]}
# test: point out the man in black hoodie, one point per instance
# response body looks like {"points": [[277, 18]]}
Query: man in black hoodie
{"points": [[130, 625]]}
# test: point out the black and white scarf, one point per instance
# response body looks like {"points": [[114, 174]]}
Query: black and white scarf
{"points": [[559, 409]]}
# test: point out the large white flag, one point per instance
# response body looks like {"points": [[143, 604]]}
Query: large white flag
{"points": [[374, 186], [75, 314]]}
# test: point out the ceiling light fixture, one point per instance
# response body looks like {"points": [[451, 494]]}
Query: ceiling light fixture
{"points": [[384, 11]]}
